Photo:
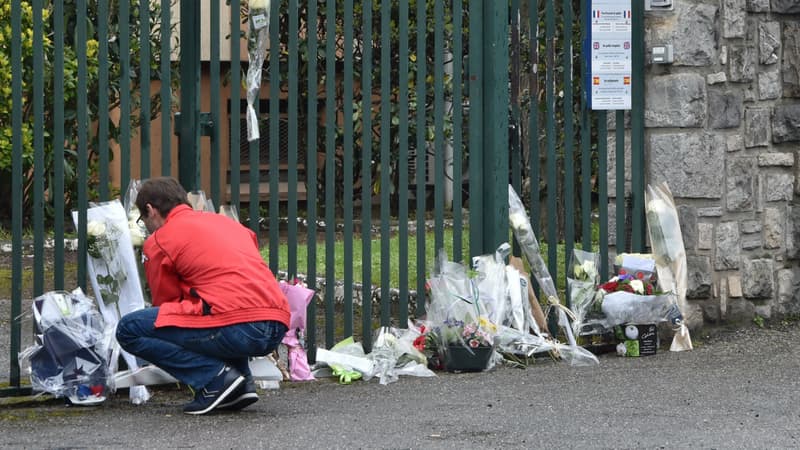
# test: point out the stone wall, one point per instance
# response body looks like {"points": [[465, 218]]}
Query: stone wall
{"points": [[723, 130]]}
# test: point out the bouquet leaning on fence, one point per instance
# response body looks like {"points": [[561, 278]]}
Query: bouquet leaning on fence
{"points": [[114, 274]]}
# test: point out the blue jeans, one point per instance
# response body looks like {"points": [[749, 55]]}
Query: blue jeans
{"points": [[195, 356]]}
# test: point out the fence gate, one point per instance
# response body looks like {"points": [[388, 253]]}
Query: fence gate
{"points": [[386, 131]]}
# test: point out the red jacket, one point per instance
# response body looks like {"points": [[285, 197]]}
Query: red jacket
{"points": [[199, 261]]}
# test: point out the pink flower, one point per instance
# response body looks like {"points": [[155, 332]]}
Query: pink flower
{"points": [[474, 343]]}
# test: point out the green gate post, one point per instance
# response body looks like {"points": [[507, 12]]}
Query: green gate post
{"points": [[188, 122], [495, 126]]}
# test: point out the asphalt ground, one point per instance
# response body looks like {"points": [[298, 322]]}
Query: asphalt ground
{"points": [[736, 389]]}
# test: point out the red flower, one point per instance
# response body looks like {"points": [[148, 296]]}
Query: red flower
{"points": [[611, 286], [419, 343]]}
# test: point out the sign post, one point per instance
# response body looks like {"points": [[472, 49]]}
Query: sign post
{"points": [[608, 49]]}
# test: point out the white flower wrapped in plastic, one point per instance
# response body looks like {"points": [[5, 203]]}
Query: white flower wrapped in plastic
{"points": [[113, 272]]}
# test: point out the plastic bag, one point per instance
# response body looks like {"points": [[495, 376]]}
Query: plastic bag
{"points": [[114, 273], [71, 355], [667, 241], [523, 232], [582, 282]]}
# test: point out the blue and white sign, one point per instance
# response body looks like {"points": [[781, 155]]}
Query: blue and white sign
{"points": [[608, 49]]}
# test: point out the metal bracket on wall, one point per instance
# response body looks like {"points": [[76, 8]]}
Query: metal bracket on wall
{"points": [[206, 124]]}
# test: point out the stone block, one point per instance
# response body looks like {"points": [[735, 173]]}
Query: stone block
{"points": [[691, 163], [786, 123], [790, 67], [793, 233], [758, 5], [751, 241], [778, 187], [740, 183], [692, 30], [705, 235], [711, 313], [726, 107], [750, 226], [710, 211], [764, 310], [735, 286], [769, 85], [699, 277], [740, 309], [677, 100], [776, 159], [769, 42], [757, 278], [756, 124], [741, 63], [726, 255], [733, 18], [785, 285], [774, 220], [716, 78], [786, 6], [734, 142], [687, 217]]}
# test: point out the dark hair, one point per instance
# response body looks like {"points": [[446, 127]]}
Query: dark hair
{"points": [[163, 193]]}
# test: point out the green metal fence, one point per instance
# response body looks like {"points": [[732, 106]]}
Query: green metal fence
{"points": [[384, 126]]}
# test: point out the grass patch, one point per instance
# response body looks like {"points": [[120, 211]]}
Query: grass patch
{"points": [[394, 265]]}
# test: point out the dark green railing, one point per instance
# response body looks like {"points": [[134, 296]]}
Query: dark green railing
{"points": [[398, 119]]}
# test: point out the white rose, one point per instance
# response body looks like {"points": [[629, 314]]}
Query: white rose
{"points": [[589, 269], [95, 228], [133, 214], [137, 236], [638, 286], [517, 220]]}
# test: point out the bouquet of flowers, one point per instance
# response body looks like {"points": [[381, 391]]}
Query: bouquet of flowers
{"points": [[582, 285], [113, 273], [626, 299]]}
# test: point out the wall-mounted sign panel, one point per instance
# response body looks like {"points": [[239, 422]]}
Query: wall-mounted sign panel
{"points": [[608, 50]]}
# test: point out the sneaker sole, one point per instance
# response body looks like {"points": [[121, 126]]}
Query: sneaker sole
{"points": [[243, 401], [219, 399]]}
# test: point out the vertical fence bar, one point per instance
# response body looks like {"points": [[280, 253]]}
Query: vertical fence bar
{"points": [[440, 170], [165, 77], [402, 132], [234, 107], [330, 169], [189, 133], [620, 180], [16, 191], [421, 157], [38, 150], [311, 176], [294, 81], [347, 166], [586, 144], [569, 138], [103, 156], [386, 134], [475, 123], [144, 90], [458, 68], [534, 161], [125, 93], [274, 134], [366, 174], [637, 127], [214, 100], [602, 187], [82, 144], [550, 123], [58, 144], [514, 82]]}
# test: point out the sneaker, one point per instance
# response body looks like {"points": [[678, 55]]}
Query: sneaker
{"points": [[244, 396], [215, 392]]}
